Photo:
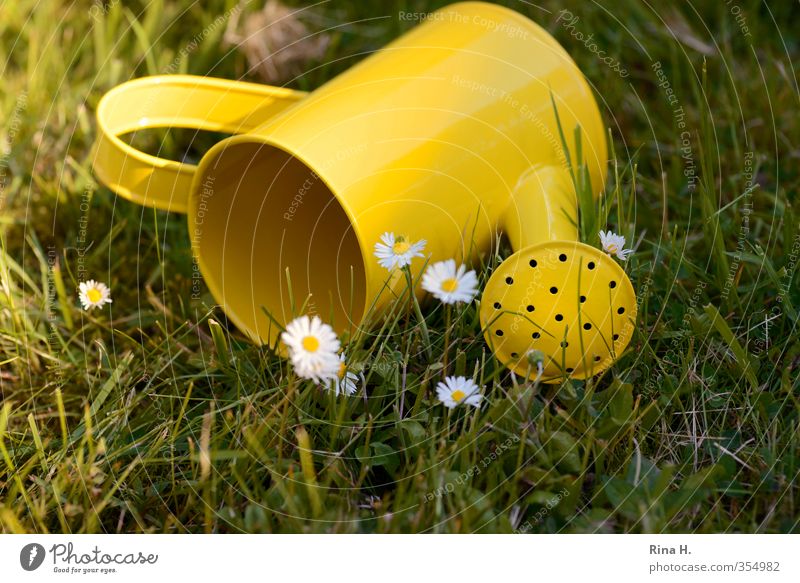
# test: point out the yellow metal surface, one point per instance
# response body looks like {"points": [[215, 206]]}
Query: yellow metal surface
{"points": [[448, 134]]}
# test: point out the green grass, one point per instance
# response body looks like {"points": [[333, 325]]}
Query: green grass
{"points": [[151, 417]]}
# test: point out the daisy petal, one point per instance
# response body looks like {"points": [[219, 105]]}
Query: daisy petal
{"points": [[614, 244], [93, 294], [393, 252], [313, 347], [448, 284], [455, 391]]}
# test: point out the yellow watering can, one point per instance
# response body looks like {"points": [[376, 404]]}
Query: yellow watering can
{"points": [[448, 134]]}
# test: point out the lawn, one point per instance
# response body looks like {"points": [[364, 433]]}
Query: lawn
{"points": [[155, 414]]}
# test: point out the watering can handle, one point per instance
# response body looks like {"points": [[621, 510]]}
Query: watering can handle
{"points": [[182, 101]]}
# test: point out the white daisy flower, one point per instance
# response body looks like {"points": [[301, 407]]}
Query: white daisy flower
{"points": [[448, 284], [457, 390], [313, 348], [345, 382], [393, 251], [613, 244], [94, 294]]}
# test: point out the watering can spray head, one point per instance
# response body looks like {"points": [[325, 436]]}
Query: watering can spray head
{"points": [[557, 308]]}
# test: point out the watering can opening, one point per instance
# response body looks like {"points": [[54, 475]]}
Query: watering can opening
{"points": [[273, 241]]}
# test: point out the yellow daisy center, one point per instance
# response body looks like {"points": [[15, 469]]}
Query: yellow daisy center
{"points": [[311, 343], [342, 370], [611, 247], [458, 395], [401, 247], [94, 295], [450, 285]]}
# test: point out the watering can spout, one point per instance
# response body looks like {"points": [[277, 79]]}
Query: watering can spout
{"points": [[556, 296], [543, 208]]}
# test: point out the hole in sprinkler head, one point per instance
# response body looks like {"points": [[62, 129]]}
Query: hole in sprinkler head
{"points": [[583, 299], [587, 326], [615, 337], [554, 290], [497, 305], [559, 317], [530, 308], [498, 332], [564, 344], [562, 258], [621, 311], [569, 370], [535, 335], [597, 359], [612, 284], [514, 355], [590, 265], [532, 263], [509, 280]]}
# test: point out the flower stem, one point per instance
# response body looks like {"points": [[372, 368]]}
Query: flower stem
{"points": [[448, 314], [423, 326]]}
